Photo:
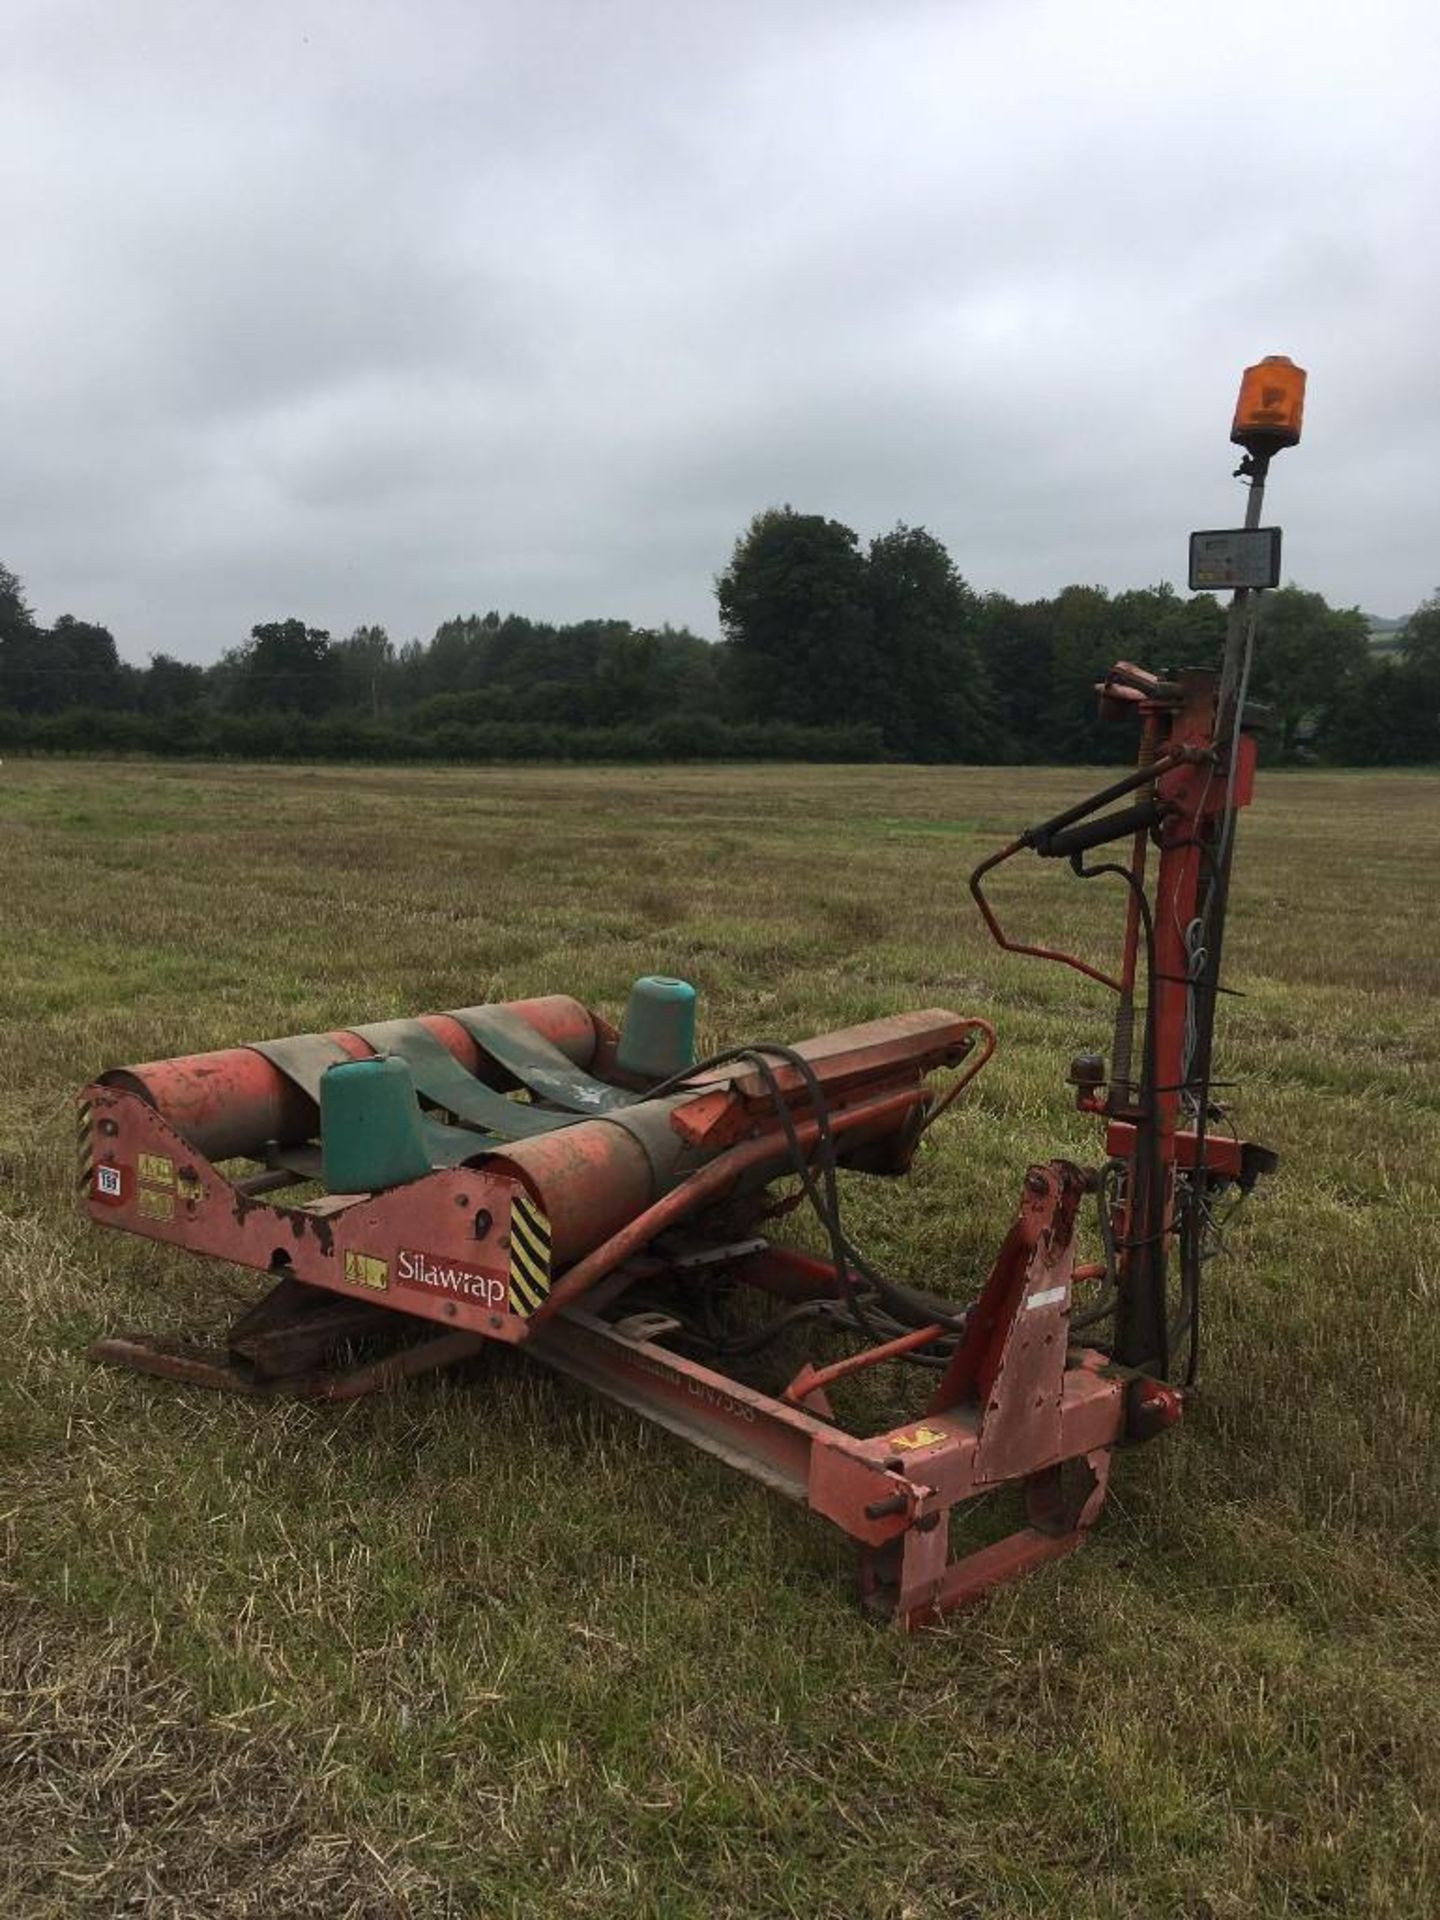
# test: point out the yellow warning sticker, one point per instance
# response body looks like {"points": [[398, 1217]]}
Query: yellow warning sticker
{"points": [[918, 1437], [365, 1270], [529, 1256], [155, 1204], [84, 1145], [156, 1169]]}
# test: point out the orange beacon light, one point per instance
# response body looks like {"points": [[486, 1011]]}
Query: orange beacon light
{"points": [[1270, 407]]}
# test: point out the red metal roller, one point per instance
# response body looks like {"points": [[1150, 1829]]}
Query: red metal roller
{"points": [[233, 1101], [590, 1179]]}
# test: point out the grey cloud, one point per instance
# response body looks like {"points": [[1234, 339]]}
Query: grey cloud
{"points": [[387, 312]]}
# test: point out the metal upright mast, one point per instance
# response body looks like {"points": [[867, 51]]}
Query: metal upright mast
{"points": [[1268, 418], [1197, 844]]}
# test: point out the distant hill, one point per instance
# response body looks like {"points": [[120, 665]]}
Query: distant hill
{"points": [[1384, 634]]}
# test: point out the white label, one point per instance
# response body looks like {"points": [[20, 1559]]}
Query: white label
{"points": [[107, 1181], [415, 1269], [1051, 1297]]}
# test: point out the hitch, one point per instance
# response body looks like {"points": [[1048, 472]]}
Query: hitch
{"points": [[417, 1191]]}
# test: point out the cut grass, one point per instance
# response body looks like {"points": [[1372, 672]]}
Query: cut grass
{"points": [[539, 1657], [123, 1795]]}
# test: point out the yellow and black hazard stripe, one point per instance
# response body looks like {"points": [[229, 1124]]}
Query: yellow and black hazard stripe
{"points": [[529, 1256], [84, 1146]]}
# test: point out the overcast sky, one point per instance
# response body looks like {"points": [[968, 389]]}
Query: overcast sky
{"points": [[385, 312]]}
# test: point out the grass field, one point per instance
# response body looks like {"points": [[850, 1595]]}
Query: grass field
{"points": [[485, 1647]]}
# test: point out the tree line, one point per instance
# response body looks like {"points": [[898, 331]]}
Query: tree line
{"points": [[831, 650]]}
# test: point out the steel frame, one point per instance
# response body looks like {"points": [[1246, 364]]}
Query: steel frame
{"points": [[1014, 1407], [1018, 1405]]}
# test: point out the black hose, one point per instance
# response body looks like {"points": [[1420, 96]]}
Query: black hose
{"points": [[1150, 1241], [910, 1308]]}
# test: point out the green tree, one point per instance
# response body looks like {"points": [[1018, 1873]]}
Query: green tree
{"points": [[627, 684], [1415, 717], [365, 671], [460, 654], [1016, 642], [15, 615], [87, 663], [1420, 637], [1393, 718], [24, 680], [795, 610], [1310, 660], [689, 670], [1188, 633], [73, 664], [1084, 645], [171, 686], [287, 667], [937, 704], [1155, 627]]}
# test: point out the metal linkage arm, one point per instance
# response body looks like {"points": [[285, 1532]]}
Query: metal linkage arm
{"points": [[1069, 841], [1062, 835]]}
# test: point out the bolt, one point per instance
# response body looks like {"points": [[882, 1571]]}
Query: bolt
{"points": [[1036, 1183]]}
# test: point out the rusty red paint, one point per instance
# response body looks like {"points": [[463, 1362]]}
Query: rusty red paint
{"points": [[1017, 1406], [233, 1101], [813, 1381], [769, 1154]]}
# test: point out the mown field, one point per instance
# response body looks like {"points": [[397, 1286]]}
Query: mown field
{"points": [[486, 1647]]}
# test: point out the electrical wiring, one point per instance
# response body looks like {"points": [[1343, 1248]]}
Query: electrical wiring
{"points": [[1149, 1240], [881, 1307], [878, 1308], [1202, 944]]}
